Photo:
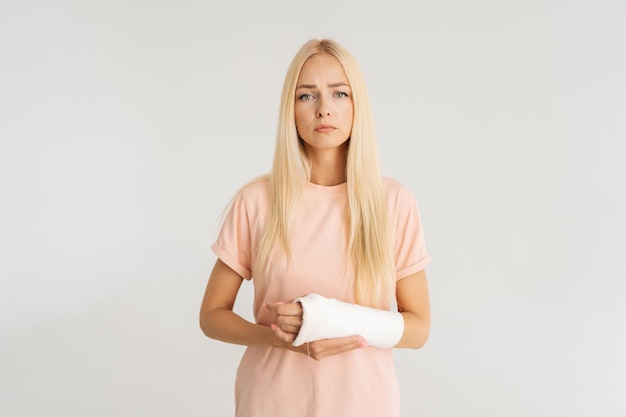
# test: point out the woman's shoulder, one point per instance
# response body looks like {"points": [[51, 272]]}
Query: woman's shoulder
{"points": [[256, 188], [399, 196], [394, 188], [255, 192]]}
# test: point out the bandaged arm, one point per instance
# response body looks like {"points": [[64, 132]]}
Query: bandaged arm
{"points": [[325, 318]]}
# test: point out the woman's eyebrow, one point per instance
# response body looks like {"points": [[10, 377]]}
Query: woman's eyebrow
{"points": [[311, 86]]}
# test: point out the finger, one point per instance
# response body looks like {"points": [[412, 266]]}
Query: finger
{"points": [[290, 329], [293, 321], [289, 309], [329, 347], [283, 335], [344, 344], [336, 342], [319, 354], [285, 309], [271, 306]]}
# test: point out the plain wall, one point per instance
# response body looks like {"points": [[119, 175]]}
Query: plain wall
{"points": [[126, 127]]}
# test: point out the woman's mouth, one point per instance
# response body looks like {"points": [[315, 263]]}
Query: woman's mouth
{"points": [[324, 128]]}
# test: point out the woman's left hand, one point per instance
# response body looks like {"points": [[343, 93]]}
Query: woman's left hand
{"points": [[288, 320]]}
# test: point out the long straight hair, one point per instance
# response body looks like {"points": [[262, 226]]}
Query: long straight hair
{"points": [[368, 238]]}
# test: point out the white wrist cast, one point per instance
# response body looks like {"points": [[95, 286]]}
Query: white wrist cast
{"points": [[325, 318]]}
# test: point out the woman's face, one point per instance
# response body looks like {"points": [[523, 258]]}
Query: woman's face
{"points": [[323, 103]]}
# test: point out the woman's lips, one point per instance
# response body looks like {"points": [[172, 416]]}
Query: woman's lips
{"points": [[324, 128]]}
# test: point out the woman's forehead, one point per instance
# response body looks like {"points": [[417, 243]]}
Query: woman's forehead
{"points": [[322, 67]]}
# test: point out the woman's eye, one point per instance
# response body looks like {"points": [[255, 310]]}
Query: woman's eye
{"points": [[305, 96], [341, 94]]}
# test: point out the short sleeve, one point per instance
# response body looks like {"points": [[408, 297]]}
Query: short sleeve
{"points": [[409, 246], [233, 244]]}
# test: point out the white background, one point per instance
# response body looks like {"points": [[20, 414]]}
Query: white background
{"points": [[126, 126]]}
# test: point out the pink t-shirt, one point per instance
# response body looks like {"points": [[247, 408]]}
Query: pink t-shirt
{"points": [[274, 382]]}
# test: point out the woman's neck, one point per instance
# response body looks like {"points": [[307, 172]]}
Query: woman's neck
{"points": [[328, 168]]}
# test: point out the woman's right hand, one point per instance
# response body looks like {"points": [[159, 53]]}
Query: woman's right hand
{"points": [[288, 322]]}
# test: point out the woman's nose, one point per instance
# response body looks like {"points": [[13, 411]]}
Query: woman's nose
{"points": [[323, 108]]}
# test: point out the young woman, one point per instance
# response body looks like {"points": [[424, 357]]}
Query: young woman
{"points": [[332, 246]]}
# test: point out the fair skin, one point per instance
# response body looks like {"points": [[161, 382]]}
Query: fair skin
{"points": [[323, 114]]}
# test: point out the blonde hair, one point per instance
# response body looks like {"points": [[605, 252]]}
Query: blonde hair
{"points": [[369, 241]]}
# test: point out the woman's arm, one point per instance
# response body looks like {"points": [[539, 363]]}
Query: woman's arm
{"points": [[333, 317], [414, 304], [218, 321]]}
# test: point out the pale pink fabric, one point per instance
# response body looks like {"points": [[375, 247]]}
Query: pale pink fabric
{"points": [[273, 382]]}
